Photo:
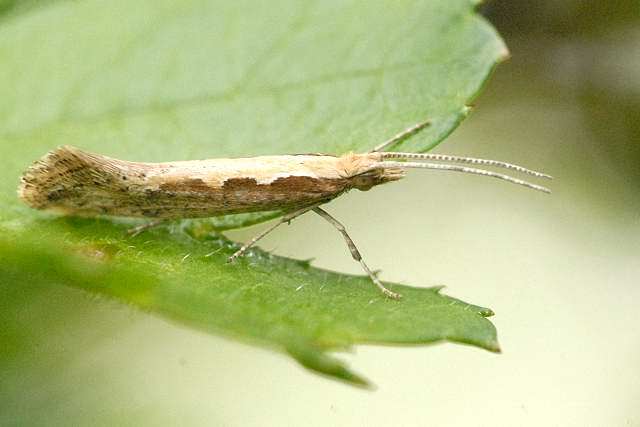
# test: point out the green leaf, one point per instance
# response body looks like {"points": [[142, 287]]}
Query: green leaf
{"points": [[170, 80]]}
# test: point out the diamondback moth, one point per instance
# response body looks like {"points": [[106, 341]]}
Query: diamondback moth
{"points": [[70, 181]]}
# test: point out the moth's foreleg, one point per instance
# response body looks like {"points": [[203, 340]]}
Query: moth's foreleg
{"points": [[355, 253], [134, 231], [402, 136], [286, 218]]}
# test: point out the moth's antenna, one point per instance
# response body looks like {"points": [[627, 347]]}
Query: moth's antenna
{"points": [[459, 159], [402, 136], [463, 169]]}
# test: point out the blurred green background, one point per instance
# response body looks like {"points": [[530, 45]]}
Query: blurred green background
{"points": [[561, 272]]}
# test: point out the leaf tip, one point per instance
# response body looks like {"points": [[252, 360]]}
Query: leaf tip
{"points": [[504, 55], [486, 312], [493, 346], [317, 360]]}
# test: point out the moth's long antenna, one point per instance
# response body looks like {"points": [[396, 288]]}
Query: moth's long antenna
{"points": [[463, 169], [405, 134], [460, 159]]}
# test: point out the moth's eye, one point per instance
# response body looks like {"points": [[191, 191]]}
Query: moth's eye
{"points": [[363, 183]]}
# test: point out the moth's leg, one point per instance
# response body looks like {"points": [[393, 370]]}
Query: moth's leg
{"points": [[402, 136], [355, 253], [286, 218], [134, 231]]}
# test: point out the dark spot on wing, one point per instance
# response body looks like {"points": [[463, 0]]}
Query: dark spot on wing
{"points": [[194, 185]]}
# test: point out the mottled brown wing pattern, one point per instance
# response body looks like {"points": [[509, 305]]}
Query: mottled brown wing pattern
{"points": [[74, 182]]}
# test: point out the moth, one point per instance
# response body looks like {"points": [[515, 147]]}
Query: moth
{"points": [[70, 181]]}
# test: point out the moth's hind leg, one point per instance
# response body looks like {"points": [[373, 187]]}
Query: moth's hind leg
{"points": [[355, 253], [134, 231], [402, 136], [286, 218]]}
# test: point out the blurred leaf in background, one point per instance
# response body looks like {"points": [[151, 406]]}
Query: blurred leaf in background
{"points": [[589, 52]]}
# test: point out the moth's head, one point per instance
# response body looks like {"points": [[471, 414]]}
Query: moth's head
{"points": [[364, 171], [373, 177]]}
